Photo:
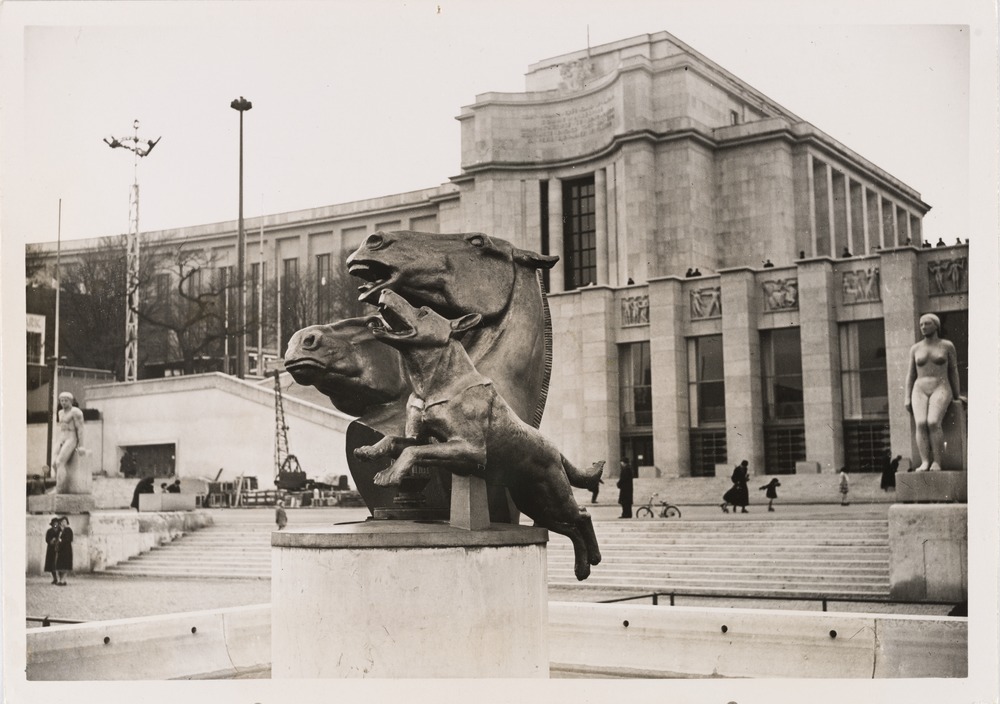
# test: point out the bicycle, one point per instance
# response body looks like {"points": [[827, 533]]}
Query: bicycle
{"points": [[667, 510]]}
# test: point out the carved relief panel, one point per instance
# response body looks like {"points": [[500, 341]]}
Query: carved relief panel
{"points": [[946, 276], [635, 311], [861, 286], [706, 303], [781, 294]]}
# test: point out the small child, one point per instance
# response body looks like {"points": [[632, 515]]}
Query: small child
{"points": [[844, 487], [280, 517], [772, 492]]}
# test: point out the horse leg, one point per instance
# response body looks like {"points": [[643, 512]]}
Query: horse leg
{"points": [[581, 564], [586, 527]]}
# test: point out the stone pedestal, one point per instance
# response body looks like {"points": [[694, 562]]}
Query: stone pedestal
{"points": [[928, 551], [407, 599], [932, 487], [61, 503]]}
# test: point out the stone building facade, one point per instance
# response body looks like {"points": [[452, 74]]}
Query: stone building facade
{"points": [[733, 283]]}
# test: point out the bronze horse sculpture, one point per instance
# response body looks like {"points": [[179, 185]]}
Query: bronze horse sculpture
{"points": [[457, 421], [454, 274]]}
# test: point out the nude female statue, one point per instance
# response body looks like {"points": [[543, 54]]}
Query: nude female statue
{"points": [[70, 440], [931, 386]]}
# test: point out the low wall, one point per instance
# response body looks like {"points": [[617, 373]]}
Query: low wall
{"points": [[585, 639], [103, 539], [658, 641], [219, 643]]}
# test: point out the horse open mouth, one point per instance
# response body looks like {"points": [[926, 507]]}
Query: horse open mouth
{"points": [[389, 324], [375, 275]]}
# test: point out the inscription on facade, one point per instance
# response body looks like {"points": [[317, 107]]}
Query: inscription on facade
{"points": [[706, 302], [635, 311], [861, 286], [781, 294], [573, 123], [946, 276]]}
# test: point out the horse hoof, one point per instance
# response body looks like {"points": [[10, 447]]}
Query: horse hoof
{"points": [[582, 572], [595, 558]]}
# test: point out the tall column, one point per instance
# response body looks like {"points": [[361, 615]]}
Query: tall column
{"points": [[864, 219], [601, 224], [668, 357], [830, 214], [810, 177], [899, 275], [612, 223], [848, 211], [881, 221], [599, 364], [557, 280], [741, 359], [824, 415]]}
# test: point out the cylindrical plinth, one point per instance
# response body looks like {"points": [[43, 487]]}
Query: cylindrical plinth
{"points": [[407, 599]]}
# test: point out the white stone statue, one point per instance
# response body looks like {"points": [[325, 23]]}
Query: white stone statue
{"points": [[931, 386]]}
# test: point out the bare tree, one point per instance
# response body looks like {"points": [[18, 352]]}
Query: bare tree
{"points": [[186, 299]]}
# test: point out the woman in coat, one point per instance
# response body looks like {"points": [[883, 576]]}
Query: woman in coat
{"points": [[739, 493], [64, 555], [51, 548]]}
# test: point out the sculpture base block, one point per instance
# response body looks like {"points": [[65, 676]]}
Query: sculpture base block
{"points": [[395, 599], [932, 487], [61, 503], [928, 552], [397, 513]]}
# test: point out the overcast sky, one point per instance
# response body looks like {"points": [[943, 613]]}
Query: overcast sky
{"points": [[355, 100]]}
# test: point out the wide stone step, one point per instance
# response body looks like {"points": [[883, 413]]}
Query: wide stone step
{"points": [[723, 586], [800, 577], [139, 570], [784, 567]]}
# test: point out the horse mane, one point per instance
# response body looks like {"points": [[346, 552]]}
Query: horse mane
{"points": [[543, 394]]}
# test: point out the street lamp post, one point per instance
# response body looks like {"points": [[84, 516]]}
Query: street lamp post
{"points": [[241, 105]]}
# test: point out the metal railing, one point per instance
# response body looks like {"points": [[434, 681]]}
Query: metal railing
{"points": [[824, 600], [46, 621]]}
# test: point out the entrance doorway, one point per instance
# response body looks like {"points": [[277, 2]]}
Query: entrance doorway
{"points": [[149, 460]]}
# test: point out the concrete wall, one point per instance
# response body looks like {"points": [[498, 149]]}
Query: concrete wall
{"points": [[216, 421], [220, 643], [101, 540], [587, 639], [659, 641]]}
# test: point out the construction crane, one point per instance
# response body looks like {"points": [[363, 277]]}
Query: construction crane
{"points": [[288, 473]]}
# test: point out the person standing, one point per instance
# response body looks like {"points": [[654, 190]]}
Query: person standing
{"points": [[280, 517], [64, 554], [739, 492], [772, 492], [596, 490], [52, 549], [845, 486], [625, 488], [889, 471], [144, 486]]}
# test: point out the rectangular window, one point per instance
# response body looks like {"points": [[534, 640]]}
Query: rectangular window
{"points": [[781, 357], [323, 288], [636, 396], [706, 381], [163, 288], [864, 383], [579, 233], [255, 292], [35, 353], [708, 449], [639, 450]]}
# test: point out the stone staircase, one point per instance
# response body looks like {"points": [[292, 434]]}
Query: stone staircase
{"points": [[226, 551], [801, 558], [794, 558]]}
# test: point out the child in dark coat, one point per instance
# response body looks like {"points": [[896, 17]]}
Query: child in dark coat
{"points": [[772, 492]]}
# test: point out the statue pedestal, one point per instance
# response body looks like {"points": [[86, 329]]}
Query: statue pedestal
{"points": [[61, 503], [407, 599], [928, 552], [932, 487]]}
